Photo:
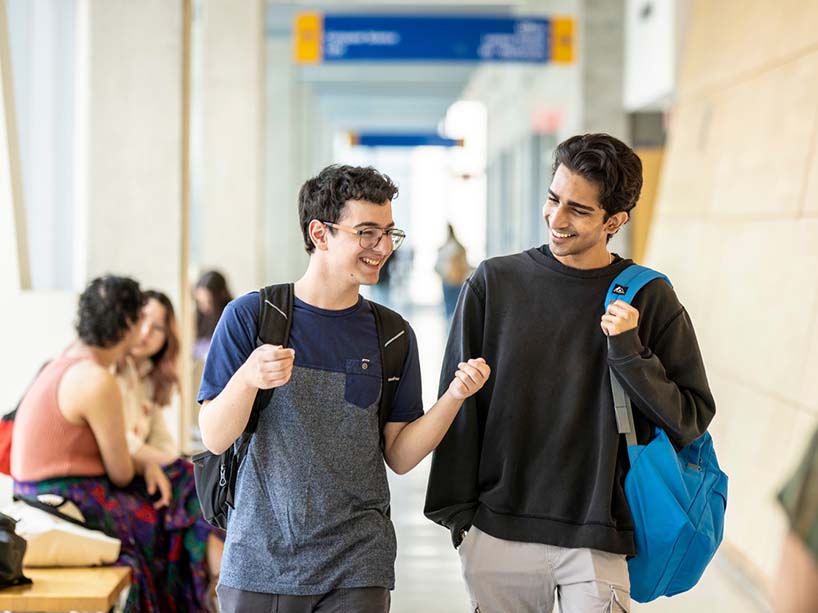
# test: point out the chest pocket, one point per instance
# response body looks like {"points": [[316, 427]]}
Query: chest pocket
{"points": [[363, 382]]}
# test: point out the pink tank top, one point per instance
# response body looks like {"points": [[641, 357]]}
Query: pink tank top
{"points": [[44, 444]]}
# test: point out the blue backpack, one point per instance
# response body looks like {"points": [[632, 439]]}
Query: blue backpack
{"points": [[677, 499]]}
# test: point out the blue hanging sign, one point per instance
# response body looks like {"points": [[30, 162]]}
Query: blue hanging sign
{"points": [[328, 38], [380, 139]]}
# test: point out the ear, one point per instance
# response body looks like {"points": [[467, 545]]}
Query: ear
{"points": [[318, 234], [616, 221]]}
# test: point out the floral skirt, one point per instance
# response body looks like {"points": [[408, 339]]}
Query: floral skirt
{"points": [[164, 548]]}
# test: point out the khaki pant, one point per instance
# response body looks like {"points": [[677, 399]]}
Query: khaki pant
{"points": [[505, 576]]}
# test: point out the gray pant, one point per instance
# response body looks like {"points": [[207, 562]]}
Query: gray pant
{"points": [[504, 576], [353, 600]]}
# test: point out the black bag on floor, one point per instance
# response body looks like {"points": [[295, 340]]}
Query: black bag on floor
{"points": [[12, 550], [216, 474]]}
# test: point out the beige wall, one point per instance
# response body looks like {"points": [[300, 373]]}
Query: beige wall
{"points": [[642, 215], [736, 229]]}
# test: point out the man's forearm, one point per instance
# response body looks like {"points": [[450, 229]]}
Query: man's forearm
{"points": [[223, 419], [419, 438]]}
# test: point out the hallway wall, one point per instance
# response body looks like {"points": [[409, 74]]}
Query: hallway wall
{"points": [[736, 229]]}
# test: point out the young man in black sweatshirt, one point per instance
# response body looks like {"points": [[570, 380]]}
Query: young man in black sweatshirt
{"points": [[529, 479]]}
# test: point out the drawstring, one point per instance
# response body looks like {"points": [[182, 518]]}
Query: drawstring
{"points": [[615, 599]]}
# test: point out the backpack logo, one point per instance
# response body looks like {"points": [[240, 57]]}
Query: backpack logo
{"points": [[620, 290]]}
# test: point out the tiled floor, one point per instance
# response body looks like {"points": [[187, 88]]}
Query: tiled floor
{"points": [[428, 568]]}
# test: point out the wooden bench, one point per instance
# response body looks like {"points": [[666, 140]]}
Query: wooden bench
{"points": [[67, 589]]}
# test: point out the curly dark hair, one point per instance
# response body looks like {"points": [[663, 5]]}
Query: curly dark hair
{"points": [[107, 308], [324, 196], [606, 162]]}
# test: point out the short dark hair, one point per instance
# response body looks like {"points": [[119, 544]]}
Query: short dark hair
{"points": [[107, 308], [323, 197], [606, 162]]}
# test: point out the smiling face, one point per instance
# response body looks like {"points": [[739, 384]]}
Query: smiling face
{"points": [[578, 230], [346, 259]]}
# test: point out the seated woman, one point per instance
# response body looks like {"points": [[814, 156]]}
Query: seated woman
{"points": [[147, 378], [69, 439]]}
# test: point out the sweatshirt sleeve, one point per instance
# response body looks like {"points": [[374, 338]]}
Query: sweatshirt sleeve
{"points": [[666, 380], [452, 492]]}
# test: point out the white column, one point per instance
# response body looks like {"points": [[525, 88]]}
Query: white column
{"points": [[228, 179], [130, 158]]}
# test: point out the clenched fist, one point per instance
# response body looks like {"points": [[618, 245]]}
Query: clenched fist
{"points": [[620, 317], [268, 366], [469, 378]]}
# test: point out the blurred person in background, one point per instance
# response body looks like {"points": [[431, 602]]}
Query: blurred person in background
{"points": [[796, 587], [453, 267], [69, 440], [148, 378], [212, 295]]}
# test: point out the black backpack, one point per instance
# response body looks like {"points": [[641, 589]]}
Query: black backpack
{"points": [[216, 474], [12, 551]]}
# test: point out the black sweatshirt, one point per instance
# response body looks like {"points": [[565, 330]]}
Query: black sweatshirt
{"points": [[535, 455]]}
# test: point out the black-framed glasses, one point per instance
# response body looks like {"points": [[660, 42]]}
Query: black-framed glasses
{"points": [[369, 238]]}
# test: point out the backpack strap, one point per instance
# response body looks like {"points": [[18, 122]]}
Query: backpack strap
{"points": [[12, 415], [275, 318], [625, 287], [53, 509], [628, 283], [393, 342]]}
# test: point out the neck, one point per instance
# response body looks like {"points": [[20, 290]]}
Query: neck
{"points": [[104, 356], [319, 288], [588, 260]]}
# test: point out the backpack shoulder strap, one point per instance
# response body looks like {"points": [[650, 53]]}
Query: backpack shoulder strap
{"points": [[628, 283], [625, 287], [275, 318], [275, 314], [12, 415], [393, 342]]}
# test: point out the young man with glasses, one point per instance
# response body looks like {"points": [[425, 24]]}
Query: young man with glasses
{"points": [[311, 528], [532, 469]]}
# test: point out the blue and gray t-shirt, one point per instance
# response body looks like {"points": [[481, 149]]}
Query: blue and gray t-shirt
{"points": [[312, 499]]}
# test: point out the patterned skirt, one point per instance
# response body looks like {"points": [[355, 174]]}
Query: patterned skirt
{"points": [[164, 548]]}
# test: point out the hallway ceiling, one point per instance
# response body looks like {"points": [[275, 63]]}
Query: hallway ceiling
{"points": [[383, 96]]}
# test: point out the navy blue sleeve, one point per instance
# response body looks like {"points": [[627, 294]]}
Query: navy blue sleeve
{"points": [[233, 342], [408, 405]]}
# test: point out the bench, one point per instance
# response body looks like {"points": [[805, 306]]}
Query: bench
{"points": [[67, 589]]}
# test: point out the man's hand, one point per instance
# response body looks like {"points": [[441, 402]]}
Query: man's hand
{"points": [[155, 479], [620, 317], [268, 366], [469, 378]]}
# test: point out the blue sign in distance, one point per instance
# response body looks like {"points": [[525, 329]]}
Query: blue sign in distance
{"points": [[444, 39], [403, 140]]}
